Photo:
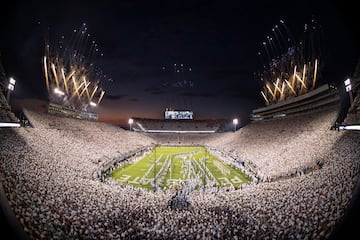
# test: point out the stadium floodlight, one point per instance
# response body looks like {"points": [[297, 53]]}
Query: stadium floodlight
{"points": [[235, 122], [347, 82], [12, 81], [11, 88], [58, 92], [11, 85], [348, 89], [93, 104], [131, 121]]}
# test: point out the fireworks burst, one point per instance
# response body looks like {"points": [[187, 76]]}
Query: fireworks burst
{"points": [[179, 79], [290, 68], [71, 77], [178, 75]]}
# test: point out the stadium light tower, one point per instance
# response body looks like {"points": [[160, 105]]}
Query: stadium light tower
{"points": [[11, 87], [131, 121], [235, 122], [348, 89]]}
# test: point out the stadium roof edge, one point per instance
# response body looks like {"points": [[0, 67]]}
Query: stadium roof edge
{"points": [[314, 92]]}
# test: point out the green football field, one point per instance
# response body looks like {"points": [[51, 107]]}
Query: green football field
{"points": [[176, 166]]}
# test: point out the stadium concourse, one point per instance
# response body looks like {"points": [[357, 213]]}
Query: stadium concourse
{"points": [[307, 177]]}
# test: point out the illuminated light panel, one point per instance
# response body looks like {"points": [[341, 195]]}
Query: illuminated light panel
{"points": [[12, 81], [350, 127], [2, 124], [58, 92]]}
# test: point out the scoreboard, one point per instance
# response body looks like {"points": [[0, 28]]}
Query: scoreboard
{"points": [[173, 114]]}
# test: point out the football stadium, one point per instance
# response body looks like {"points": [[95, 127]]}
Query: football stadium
{"points": [[292, 172]]}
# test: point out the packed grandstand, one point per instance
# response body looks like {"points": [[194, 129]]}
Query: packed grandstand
{"points": [[55, 169], [303, 178]]}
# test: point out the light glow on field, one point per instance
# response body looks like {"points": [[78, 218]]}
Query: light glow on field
{"points": [[173, 167]]}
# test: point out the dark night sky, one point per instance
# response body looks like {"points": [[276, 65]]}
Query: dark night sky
{"points": [[218, 40]]}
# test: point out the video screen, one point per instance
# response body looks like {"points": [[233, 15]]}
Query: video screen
{"points": [[178, 115]]}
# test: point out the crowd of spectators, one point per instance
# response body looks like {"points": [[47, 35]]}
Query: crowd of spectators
{"points": [[46, 172], [282, 147]]}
